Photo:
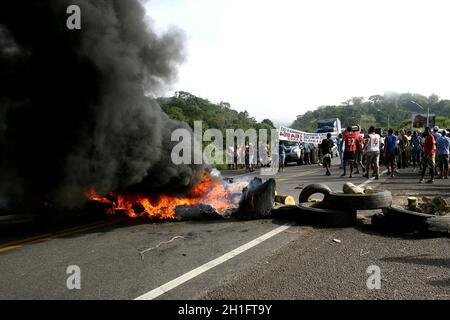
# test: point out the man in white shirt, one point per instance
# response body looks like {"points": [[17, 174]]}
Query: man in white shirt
{"points": [[373, 153]]}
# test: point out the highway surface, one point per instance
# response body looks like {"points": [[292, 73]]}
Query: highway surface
{"points": [[263, 259]]}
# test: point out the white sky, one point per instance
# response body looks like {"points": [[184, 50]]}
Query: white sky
{"points": [[279, 59]]}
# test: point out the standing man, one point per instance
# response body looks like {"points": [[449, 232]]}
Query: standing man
{"points": [[437, 136], [251, 157], [265, 154], [416, 149], [282, 156], [307, 153], [403, 147], [429, 155], [326, 148], [247, 158], [443, 145], [349, 150], [390, 148], [373, 153], [359, 152], [340, 147], [230, 158]]}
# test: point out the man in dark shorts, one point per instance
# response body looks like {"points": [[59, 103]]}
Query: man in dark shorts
{"points": [[390, 149], [429, 155], [326, 148], [349, 150]]}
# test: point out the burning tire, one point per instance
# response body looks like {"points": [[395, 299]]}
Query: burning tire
{"points": [[312, 189], [370, 201]]}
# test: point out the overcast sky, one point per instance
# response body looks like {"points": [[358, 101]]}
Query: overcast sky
{"points": [[279, 59]]}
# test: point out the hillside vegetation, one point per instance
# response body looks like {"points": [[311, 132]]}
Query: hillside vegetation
{"points": [[186, 107], [378, 110]]}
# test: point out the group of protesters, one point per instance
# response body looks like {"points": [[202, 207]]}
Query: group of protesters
{"points": [[246, 157], [399, 150]]}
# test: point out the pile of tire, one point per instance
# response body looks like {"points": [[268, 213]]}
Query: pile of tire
{"points": [[335, 210], [401, 220]]}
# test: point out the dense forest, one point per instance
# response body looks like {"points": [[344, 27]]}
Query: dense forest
{"points": [[186, 107], [379, 110]]}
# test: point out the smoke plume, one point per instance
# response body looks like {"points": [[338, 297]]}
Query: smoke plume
{"points": [[76, 106]]}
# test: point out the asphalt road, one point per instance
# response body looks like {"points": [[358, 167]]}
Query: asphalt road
{"points": [[122, 259]]}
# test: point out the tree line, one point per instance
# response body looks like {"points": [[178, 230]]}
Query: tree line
{"points": [[188, 108], [389, 110]]}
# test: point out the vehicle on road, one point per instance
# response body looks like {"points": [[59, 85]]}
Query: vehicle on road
{"points": [[293, 152], [332, 126]]}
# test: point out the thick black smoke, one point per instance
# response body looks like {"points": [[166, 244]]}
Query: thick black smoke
{"points": [[75, 106]]}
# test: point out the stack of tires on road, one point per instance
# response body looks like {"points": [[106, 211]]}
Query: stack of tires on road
{"points": [[335, 210], [340, 210]]}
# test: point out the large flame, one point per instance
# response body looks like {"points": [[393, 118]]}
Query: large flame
{"points": [[209, 191]]}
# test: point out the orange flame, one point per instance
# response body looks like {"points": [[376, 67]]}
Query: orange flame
{"points": [[209, 191]]}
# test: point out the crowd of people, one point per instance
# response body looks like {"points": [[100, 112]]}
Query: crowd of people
{"points": [[426, 151], [247, 157]]}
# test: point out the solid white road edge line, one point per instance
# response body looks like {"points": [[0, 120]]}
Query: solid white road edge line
{"points": [[207, 266]]}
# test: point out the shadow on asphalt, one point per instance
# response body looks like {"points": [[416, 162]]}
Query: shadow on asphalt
{"points": [[427, 261]]}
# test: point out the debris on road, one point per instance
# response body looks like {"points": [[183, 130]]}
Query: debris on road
{"points": [[350, 188], [286, 200], [429, 216], [436, 206], [362, 253], [368, 190], [143, 252], [337, 241]]}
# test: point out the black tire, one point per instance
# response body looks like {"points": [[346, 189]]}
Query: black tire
{"points": [[312, 213], [399, 213], [312, 189], [410, 221], [286, 213], [379, 220], [371, 201], [439, 224], [405, 220]]}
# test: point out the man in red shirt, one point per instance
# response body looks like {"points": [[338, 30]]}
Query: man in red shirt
{"points": [[349, 150], [359, 152], [429, 155]]}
